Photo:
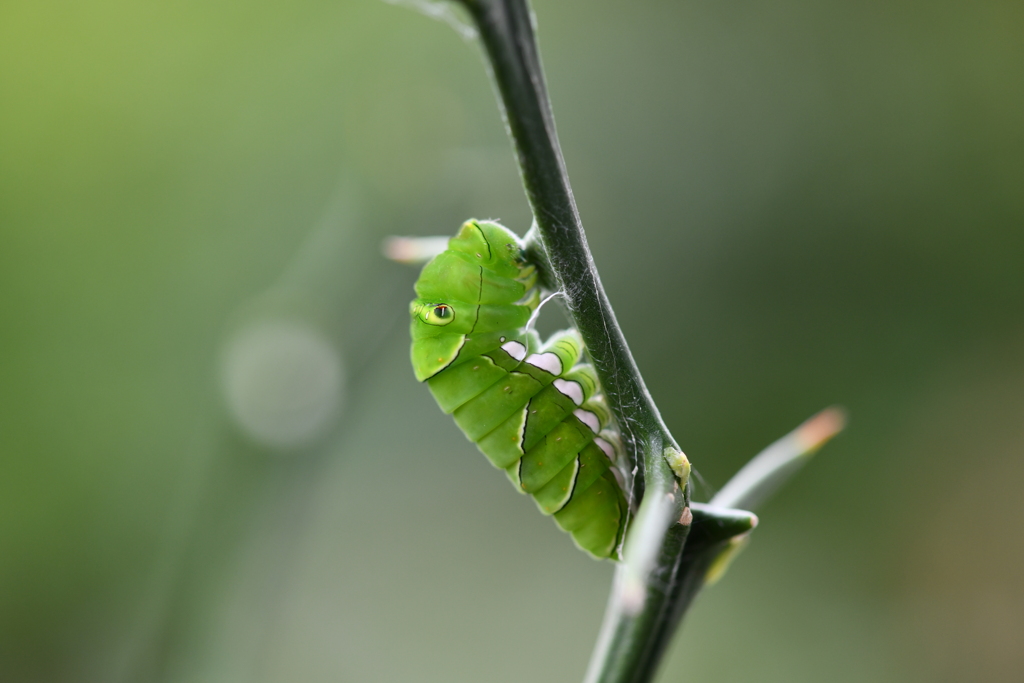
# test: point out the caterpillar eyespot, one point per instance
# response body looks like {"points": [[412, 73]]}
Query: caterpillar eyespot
{"points": [[532, 408], [435, 314]]}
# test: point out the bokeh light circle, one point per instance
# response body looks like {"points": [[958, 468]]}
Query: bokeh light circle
{"points": [[283, 382]]}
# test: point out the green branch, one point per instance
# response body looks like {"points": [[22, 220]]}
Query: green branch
{"points": [[662, 570], [506, 31], [656, 539], [720, 531]]}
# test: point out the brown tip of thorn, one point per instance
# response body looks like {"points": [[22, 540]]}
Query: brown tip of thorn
{"points": [[687, 517], [816, 431]]}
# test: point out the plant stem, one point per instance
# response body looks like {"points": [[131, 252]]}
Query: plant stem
{"points": [[506, 31], [650, 592], [672, 546], [633, 622], [720, 532]]}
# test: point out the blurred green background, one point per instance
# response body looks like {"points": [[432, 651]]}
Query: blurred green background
{"points": [[215, 464]]}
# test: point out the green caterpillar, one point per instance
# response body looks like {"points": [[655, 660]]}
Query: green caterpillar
{"points": [[531, 408]]}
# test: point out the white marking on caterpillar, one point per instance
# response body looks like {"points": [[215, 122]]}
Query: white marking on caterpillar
{"points": [[606, 447], [515, 349], [572, 487], [548, 362], [522, 428], [589, 419], [571, 389]]}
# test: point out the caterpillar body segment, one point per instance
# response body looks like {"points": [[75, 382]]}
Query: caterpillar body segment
{"points": [[532, 407]]}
